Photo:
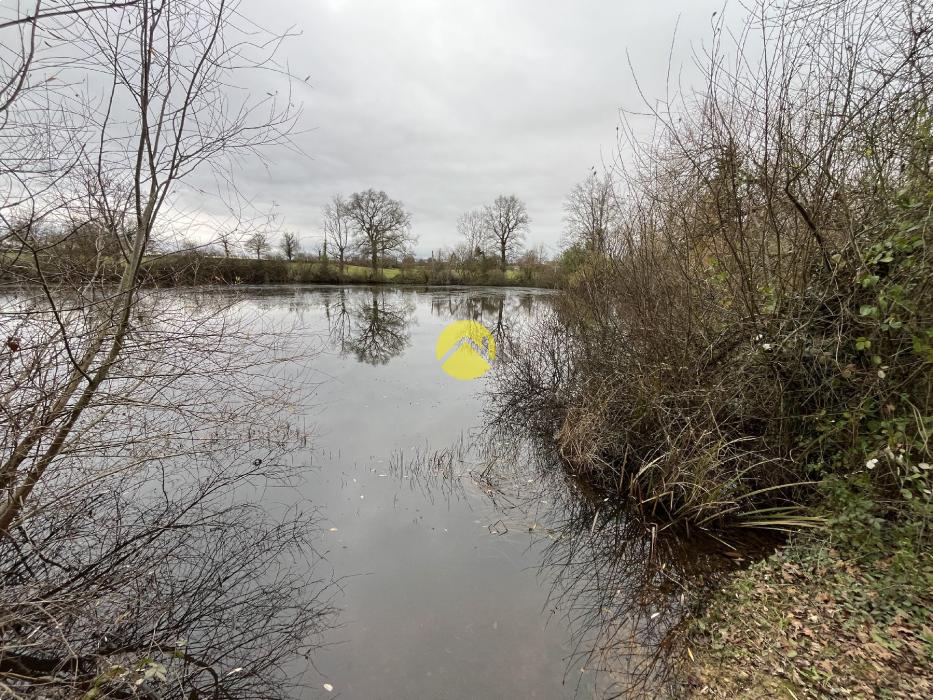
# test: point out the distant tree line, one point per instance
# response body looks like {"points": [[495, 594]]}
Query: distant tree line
{"points": [[367, 236]]}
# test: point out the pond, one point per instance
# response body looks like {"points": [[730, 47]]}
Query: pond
{"points": [[443, 590], [414, 535], [468, 563]]}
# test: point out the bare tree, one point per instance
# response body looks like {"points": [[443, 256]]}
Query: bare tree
{"points": [[338, 229], [38, 150], [471, 227], [591, 213], [226, 240], [103, 381], [169, 67], [506, 223], [289, 245], [258, 244], [381, 225]]}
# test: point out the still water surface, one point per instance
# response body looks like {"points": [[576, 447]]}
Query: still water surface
{"points": [[443, 593]]}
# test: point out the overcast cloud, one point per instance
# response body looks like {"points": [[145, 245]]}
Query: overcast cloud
{"points": [[445, 105]]}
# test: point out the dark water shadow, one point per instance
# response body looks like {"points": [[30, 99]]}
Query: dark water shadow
{"points": [[625, 588]]}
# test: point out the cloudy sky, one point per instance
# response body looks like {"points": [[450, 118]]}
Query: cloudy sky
{"points": [[445, 104]]}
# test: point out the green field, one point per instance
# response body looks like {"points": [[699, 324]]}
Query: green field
{"points": [[363, 272]]}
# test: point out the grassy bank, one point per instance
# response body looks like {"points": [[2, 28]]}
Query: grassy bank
{"points": [[184, 270], [189, 269]]}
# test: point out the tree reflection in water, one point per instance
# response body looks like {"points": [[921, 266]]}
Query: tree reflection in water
{"points": [[148, 563], [473, 305], [373, 329], [372, 324], [180, 591], [501, 314]]}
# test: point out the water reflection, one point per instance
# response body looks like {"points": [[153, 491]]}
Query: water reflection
{"points": [[379, 327], [174, 597], [619, 591], [435, 476], [154, 562], [445, 567], [439, 593], [623, 591], [499, 313], [373, 324], [482, 308]]}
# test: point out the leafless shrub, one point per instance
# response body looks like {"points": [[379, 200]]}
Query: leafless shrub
{"points": [[136, 424], [761, 316]]}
